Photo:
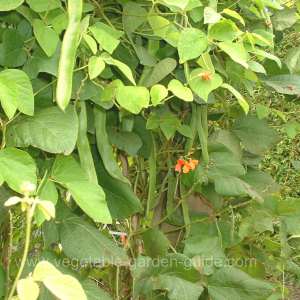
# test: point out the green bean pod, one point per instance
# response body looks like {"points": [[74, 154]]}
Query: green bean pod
{"points": [[68, 54]]}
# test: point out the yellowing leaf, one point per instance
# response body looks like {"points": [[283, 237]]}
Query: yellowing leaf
{"points": [[43, 270], [65, 287], [233, 14], [27, 289]]}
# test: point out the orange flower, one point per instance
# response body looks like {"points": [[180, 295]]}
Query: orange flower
{"points": [[193, 163], [186, 166], [206, 76], [123, 239]]}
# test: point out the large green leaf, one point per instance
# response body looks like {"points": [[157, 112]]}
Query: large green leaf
{"points": [[203, 86], [89, 196], [230, 283], [161, 70], [192, 43], [224, 164], [159, 274], [285, 18], [292, 60], [236, 51], [107, 37], [16, 92], [180, 91], [85, 242], [17, 167], [6, 5], [134, 15], [93, 291], [49, 129], [255, 134], [224, 30], [47, 38], [12, 53], [121, 200], [285, 84], [41, 6], [155, 242], [133, 98]]}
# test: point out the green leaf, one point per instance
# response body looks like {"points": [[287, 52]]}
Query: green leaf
{"points": [[126, 141], [133, 98], [96, 66], [256, 67], [41, 6], [155, 243], [255, 134], [67, 169], [180, 91], [134, 15], [16, 92], [211, 16], [203, 87], [47, 192], [17, 167], [12, 52], [292, 129], [93, 291], [224, 30], [161, 70], [175, 3], [47, 38], [107, 37], [27, 289], [105, 148], [224, 164], [50, 130], [267, 55], [243, 103], [191, 44], [233, 14], [121, 66], [236, 51], [89, 196], [206, 252], [65, 287], [91, 199], [292, 60], [120, 198], [284, 84], [285, 18], [178, 288], [85, 242], [6, 5], [158, 93], [91, 43], [164, 29], [262, 111], [233, 283]]}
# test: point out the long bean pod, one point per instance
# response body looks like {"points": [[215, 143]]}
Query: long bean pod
{"points": [[68, 54]]}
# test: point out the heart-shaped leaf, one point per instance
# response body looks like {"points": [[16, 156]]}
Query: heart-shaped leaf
{"points": [[203, 82], [180, 91]]}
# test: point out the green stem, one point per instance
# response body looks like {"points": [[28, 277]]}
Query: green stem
{"points": [[203, 131], [117, 283], [152, 181], [29, 215], [193, 126]]}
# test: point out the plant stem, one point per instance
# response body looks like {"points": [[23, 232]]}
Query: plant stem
{"points": [[117, 283], [29, 215], [203, 131]]}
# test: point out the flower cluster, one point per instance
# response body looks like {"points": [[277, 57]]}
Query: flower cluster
{"points": [[186, 166]]}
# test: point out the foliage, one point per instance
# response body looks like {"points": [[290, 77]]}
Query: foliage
{"points": [[131, 145]]}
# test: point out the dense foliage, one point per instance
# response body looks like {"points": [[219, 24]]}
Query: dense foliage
{"points": [[133, 135]]}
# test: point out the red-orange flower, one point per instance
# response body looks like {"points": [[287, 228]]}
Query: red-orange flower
{"points": [[186, 166]]}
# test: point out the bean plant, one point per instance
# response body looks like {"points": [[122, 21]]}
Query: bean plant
{"points": [[130, 156]]}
